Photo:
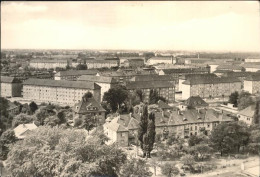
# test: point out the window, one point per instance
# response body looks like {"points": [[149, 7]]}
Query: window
{"points": [[195, 127], [208, 125]]}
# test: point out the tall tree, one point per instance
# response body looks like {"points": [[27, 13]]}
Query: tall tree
{"points": [[233, 98], [6, 139], [140, 94], [244, 100], [33, 106], [115, 97], [257, 113], [22, 119], [146, 132], [155, 97], [81, 67]]}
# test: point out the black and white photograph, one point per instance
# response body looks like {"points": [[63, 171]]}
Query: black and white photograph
{"points": [[130, 89]]}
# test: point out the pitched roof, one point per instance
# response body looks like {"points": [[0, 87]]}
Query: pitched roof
{"points": [[251, 65], [195, 101], [253, 78], [163, 105], [7, 79], [211, 80], [115, 126], [162, 58], [22, 128], [182, 70], [192, 76], [153, 78], [229, 67], [87, 106], [77, 72], [148, 84], [249, 111], [101, 79], [101, 61], [61, 83], [48, 61], [241, 74]]}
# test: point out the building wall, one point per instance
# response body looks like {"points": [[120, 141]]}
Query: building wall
{"points": [[213, 68], [252, 60], [216, 90], [112, 135], [186, 91], [248, 86], [59, 95], [104, 88], [256, 87], [252, 69], [47, 65], [246, 119], [101, 65], [180, 84], [6, 89], [122, 138]]}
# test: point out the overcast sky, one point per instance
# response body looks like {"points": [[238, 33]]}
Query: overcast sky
{"points": [[230, 26]]}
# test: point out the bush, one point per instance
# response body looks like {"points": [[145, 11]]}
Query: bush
{"points": [[78, 122]]}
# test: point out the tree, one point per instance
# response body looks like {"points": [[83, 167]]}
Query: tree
{"points": [[228, 136], [200, 151], [22, 119], [187, 160], [62, 117], [146, 131], [254, 139], [115, 97], [6, 139], [81, 67], [43, 113], [4, 106], [233, 98], [169, 170], [244, 100], [197, 139], [89, 122], [154, 97], [135, 167], [33, 106], [256, 114], [140, 94], [63, 152]]}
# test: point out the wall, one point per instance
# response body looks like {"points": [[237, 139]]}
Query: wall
{"points": [[248, 86]]}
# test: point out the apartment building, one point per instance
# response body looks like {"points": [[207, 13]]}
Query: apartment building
{"points": [[101, 63], [104, 82], [10, 87], [252, 84], [59, 91], [210, 87], [165, 89], [74, 74], [48, 64]]}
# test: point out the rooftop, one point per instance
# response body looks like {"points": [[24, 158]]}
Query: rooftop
{"points": [[21, 129], [61, 83], [249, 111], [205, 80], [148, 84], [101, 79], [77, 72], [87, 106], [7, 79], [153, 78], [195, 101], [255, 77]]}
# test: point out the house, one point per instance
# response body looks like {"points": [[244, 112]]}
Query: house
{"points": [[104, 82], [252, 60], [59, 91], [22, 130], [89, 106], [251, 67], [48, 63], [101, 64], [246, 115], [10, 87], [122, 129], [189, 61], [210, 87], [230, 67], [252, 84], [193, 102], [157, 60], [74, 74], [164, 89]]}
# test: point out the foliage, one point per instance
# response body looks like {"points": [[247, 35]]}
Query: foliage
{"points": [[89, 122], [187, 160], [254, 139], [171, 139], [154, 97], [58, 152], [115, 97], [256, 117], [33, 106], [233, 98], [146, 131], [22, 119], [197, 139], [6, 139], [88, 95], [244, 100], [81, 67], [135, 167], [229, 136], [169, 170], [44, 112], [4, 106], [77, 122], [140, 94], [200, 151]]}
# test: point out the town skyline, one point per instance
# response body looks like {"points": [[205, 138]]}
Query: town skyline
{"points": [[189, 26]]}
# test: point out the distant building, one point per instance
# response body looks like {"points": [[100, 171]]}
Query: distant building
{"points": [[253, 60], [10, 87], [165, 89], [22, 130], [157, 60], [230, 67], [104, 82], [210, 87], [193, 102], [48, 64], [89, 106], [59, 91], [251, 67], [101, 64], [121, 129], [246, 115], [133, 63], [189, 61], [74, 74], [252, 84]]}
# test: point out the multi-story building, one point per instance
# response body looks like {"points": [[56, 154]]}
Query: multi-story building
{"points": [[48, 64], [157, 60], [10, 87], [246, 115], [90, 107], [74, 74], [101, 63], [253, 60], [164, 89], [210, 87], [59, 91], [133, 63], [104, 82], [251, 67], [252, 84], [230, 67]]}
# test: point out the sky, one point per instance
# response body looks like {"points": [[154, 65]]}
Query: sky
{"points": [[136, 25]]}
